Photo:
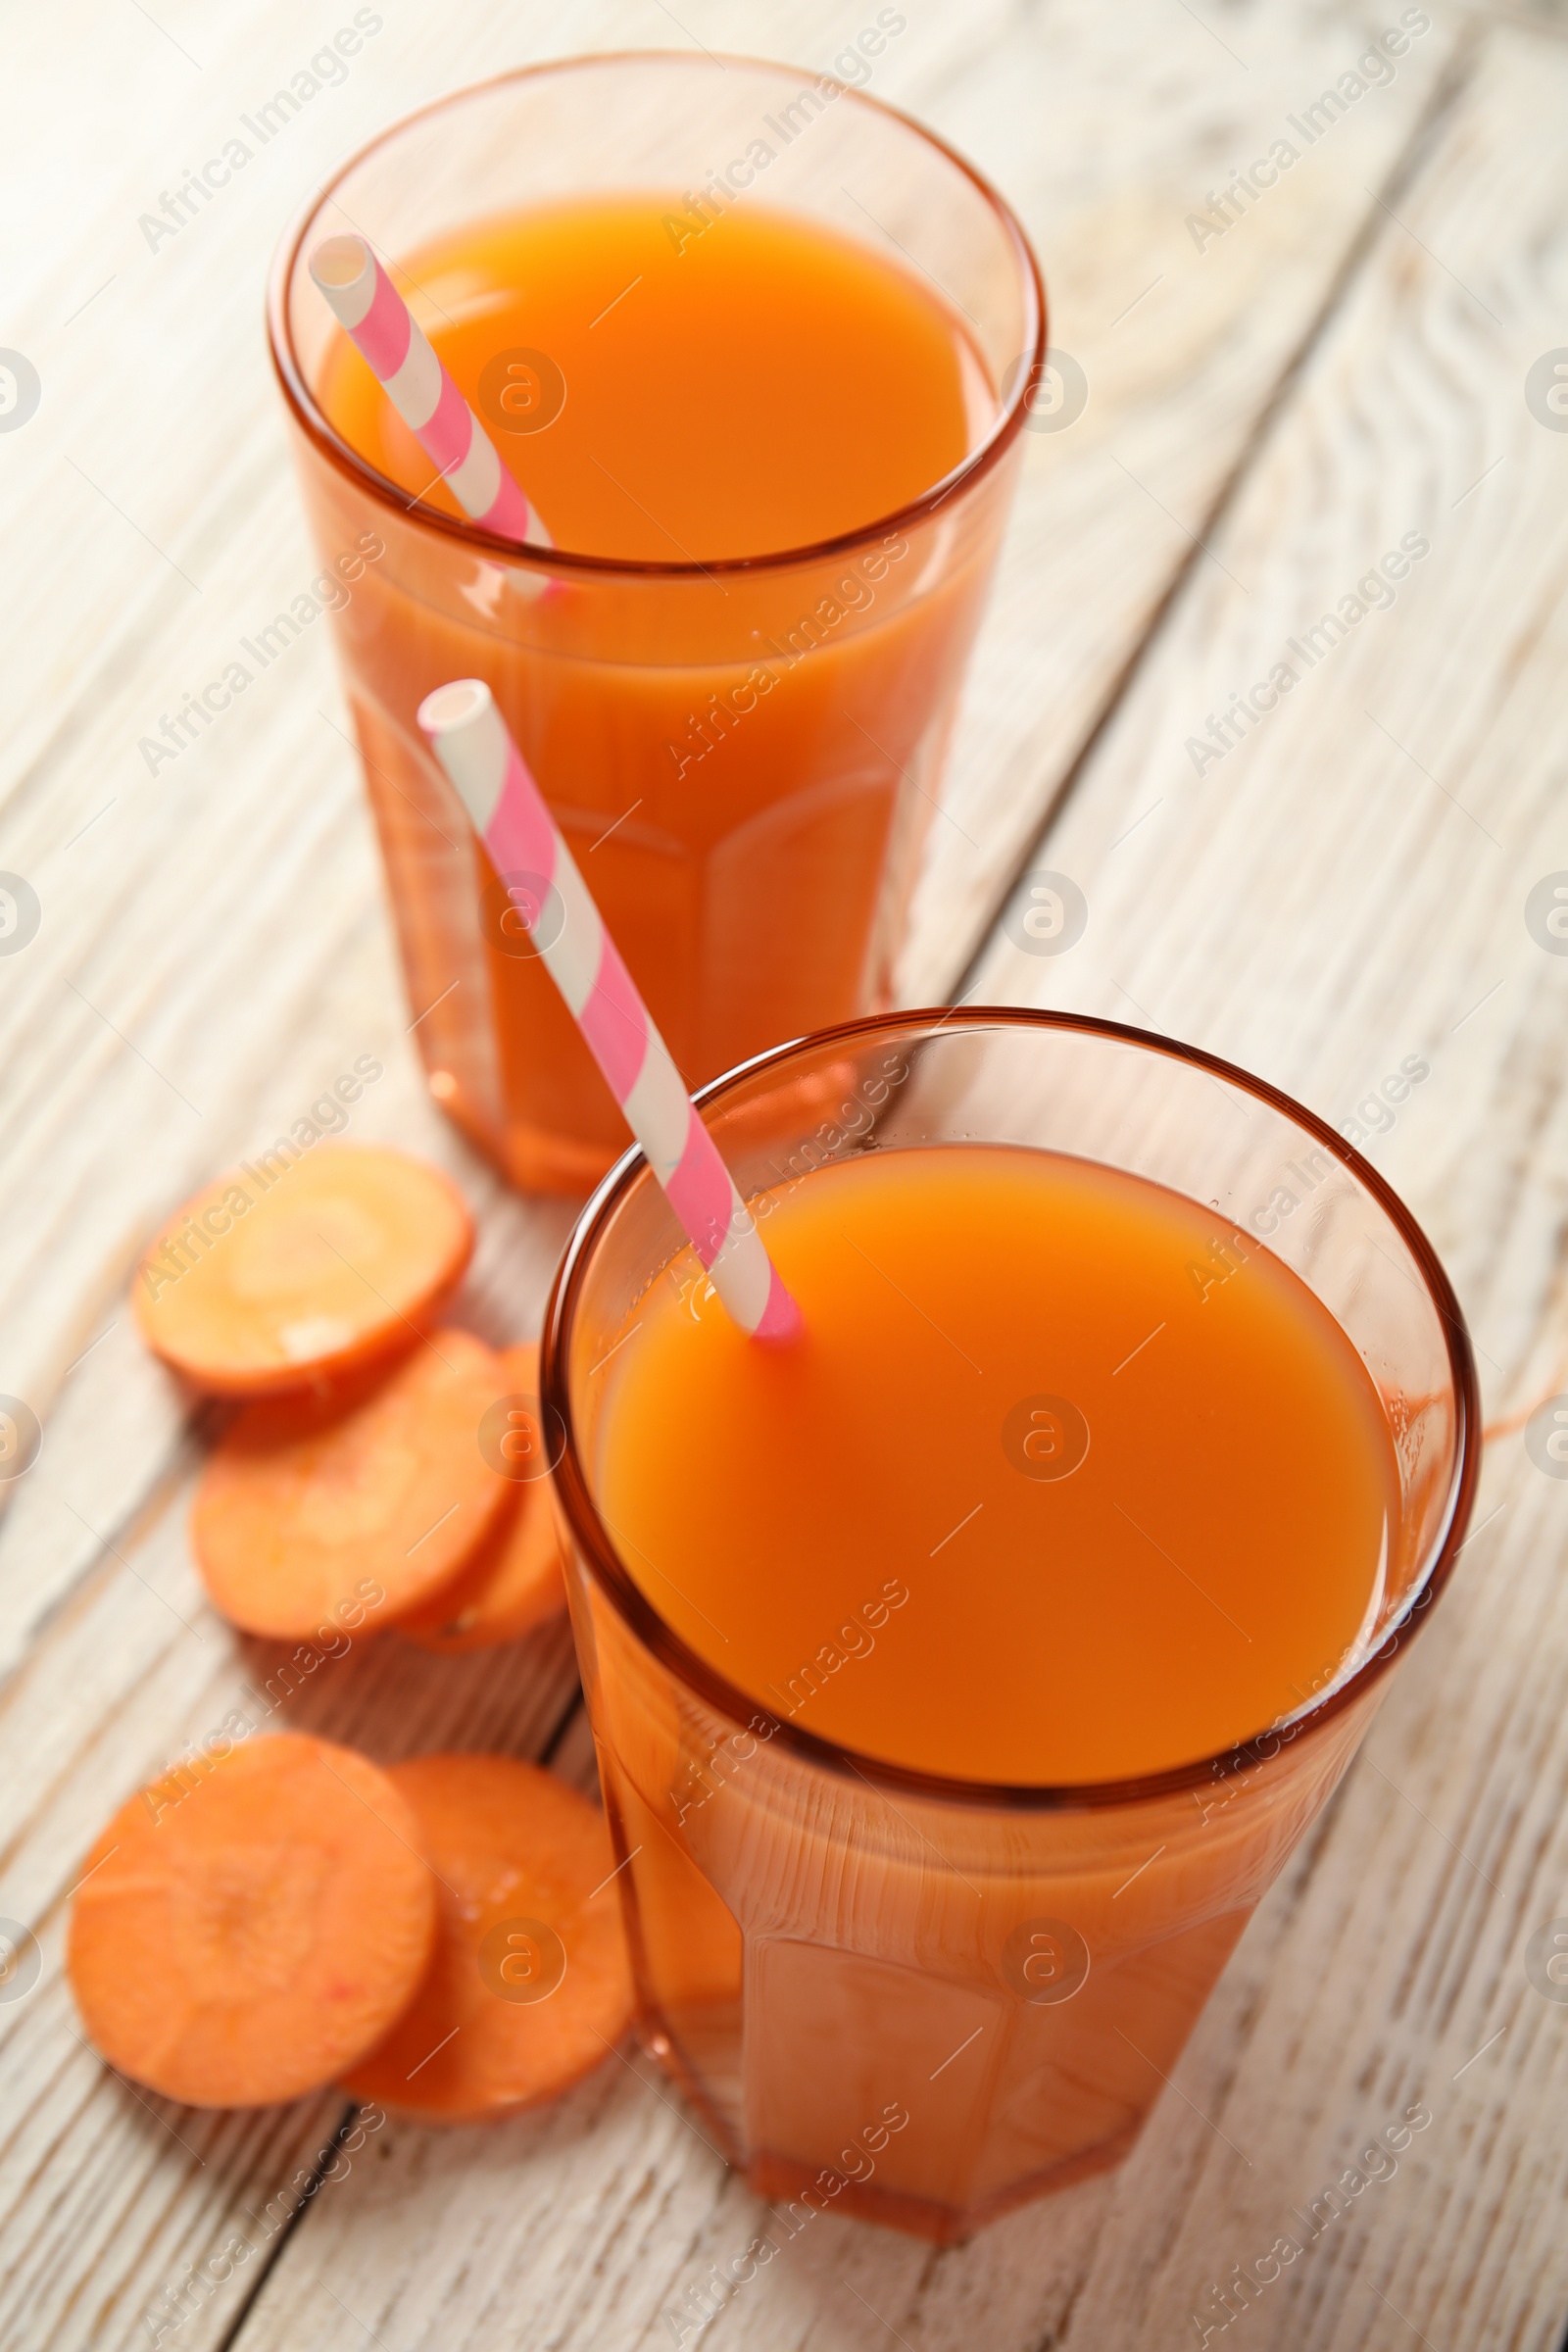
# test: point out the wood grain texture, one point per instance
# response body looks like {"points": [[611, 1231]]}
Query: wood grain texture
{"points": [[214, 952], [1183, 334]]}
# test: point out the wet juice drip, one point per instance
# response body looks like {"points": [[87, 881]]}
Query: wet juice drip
{"points": [[1042, 1496], [744, 762]]}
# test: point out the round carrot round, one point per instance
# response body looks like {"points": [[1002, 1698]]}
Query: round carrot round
{"points": [[315, 1512], [513, 1581], [250, 1926], [281, 1274], [528, 1986]]}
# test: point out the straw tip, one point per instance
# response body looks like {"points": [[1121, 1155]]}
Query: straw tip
{"points": [[781, 1317], [456, 704], [338, 263]]}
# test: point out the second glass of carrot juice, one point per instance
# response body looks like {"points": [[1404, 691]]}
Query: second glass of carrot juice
{"points": [[964, 1669], [758, 349]]}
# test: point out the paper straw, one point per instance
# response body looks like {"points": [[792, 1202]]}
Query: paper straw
{"points": [[368, 307], [472, 743]]}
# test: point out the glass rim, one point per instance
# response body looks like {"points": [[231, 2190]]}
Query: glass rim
{"points": [[656, 1635], [330, 444]]}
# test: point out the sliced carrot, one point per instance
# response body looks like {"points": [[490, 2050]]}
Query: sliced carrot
{"points": [[513, 1584], [268, 1280], [312, 1509], [528, 1988], [249, 1926], [513, 1581]]}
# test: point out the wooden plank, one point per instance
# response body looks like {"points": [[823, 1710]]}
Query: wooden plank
{"points": [[1290, 913], [222, 916], [1183, 336]]}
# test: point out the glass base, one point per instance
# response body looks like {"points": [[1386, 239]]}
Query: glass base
{"points": [[529, 1158], [702, 2065], [783, 2179]]}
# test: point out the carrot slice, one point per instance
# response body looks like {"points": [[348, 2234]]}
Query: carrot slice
{"points": [[513, 1581], [268, 1281], [315, 1509], [252, 1924], [528, 1988]]}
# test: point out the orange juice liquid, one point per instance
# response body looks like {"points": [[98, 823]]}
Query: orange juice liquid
{"points": [[1062, 1484], [1046, 1494], [744, 763], [724, 390]]}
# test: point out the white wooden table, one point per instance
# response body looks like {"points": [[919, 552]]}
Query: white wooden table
{"points": [[1270, 409]]}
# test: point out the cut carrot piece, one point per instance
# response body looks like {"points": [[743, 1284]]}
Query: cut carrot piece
{"points": [[312, 1509], [250, 1925], [528, 1988], [513, 1581], [513, 1584], [277, 1276]]}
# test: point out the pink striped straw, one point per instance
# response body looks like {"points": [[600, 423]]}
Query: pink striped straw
{"points": [[368, 307], [508, 810]]}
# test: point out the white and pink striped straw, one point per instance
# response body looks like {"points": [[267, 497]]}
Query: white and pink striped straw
{"points": [[368, 307], [508, 810]]}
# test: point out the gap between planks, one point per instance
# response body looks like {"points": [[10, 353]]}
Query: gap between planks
{"points": [[1455, 78]]}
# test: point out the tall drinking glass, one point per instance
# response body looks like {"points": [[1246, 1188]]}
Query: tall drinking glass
{"points": [[745, 752], [818, 1935]]}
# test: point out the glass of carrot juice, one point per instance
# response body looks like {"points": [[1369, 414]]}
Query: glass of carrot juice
{"points": [[758, 350], [963, 1671]]}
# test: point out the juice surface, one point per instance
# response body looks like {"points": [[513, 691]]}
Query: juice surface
{"points": [[729, 389], [1031, 1501]]}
